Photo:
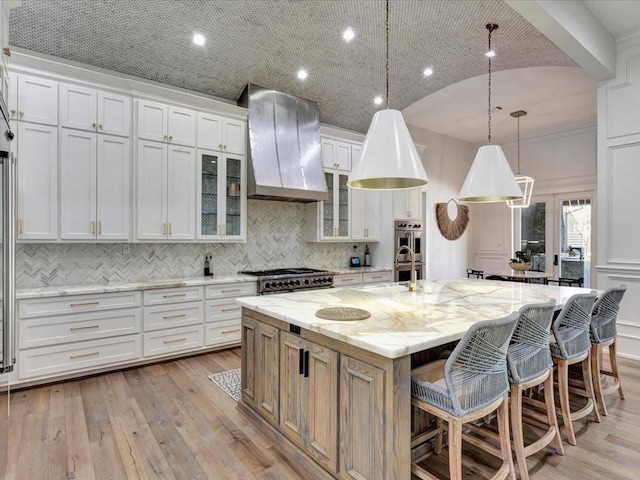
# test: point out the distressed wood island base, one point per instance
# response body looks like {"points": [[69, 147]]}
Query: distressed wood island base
{"points": [[336, 396]]}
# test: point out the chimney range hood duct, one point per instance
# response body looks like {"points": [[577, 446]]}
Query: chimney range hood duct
{"points": [[285, 161]]}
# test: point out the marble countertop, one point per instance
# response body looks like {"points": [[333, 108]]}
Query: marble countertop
{"points": [[404, 322], [139, 285], [348, 270]]}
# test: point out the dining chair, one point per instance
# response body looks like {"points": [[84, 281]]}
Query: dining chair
{"points": [[603, 333], [570, 344], [476, 273], [469, 385], [529, 365]]}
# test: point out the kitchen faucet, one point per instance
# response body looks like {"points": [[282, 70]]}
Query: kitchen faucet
{"points": [[412, 283]]}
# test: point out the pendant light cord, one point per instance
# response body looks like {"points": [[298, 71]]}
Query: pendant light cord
{"points": [[489, 110], [386, 24], [518, 145]]}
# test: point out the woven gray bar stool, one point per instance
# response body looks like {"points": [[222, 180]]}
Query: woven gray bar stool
{"points": [[529, 364], [570, 344], [603, 333], [469, 385]]}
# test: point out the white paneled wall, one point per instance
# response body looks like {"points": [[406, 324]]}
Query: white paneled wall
{"points": [[618, 259]]}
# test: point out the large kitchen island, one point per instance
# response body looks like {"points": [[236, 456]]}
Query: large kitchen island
{"points": [[339, 391]]}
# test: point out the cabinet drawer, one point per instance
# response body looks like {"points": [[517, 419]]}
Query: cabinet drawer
{"points": [[350, 279], [169, 316], [172, 340], [38, 332], [222, 333], [77, 356], [40, 307], [172, 295], [238, 289], [375, 277], [222, 309]]}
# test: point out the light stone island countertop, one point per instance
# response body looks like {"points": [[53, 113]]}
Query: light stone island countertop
{"points": [[404, 322], [122, 287]]}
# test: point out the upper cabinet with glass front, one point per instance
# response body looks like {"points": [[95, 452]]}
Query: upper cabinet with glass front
{"points": [[222, 197]]}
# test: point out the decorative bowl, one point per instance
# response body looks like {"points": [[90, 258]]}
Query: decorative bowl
{"points": [[520, 267]]}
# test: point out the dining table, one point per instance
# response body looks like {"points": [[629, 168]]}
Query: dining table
{"points": [[520, 276]]}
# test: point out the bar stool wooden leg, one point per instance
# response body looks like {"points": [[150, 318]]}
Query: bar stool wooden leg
{"points": [[455, 448], [595, 376], [437, 448], [505, 441], [613, 359], [588, 384], [518, 433], [563, 393], [551, 412]]}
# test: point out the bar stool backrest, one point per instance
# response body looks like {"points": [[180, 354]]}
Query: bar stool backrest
{"points": [[528, 355], [605, 312], [571, 327], [476, 371]]}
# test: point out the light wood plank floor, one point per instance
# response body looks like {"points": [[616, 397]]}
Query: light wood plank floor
{"points": [[169, 421]]}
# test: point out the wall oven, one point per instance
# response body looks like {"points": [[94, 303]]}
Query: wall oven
{"points": [[409, 234], [402, 272]]}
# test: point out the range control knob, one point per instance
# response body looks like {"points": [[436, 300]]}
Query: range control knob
{"points": [[306, 281], [297, 282], [267, 285]]}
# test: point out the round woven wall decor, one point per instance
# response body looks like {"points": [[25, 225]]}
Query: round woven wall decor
{"points": [[452, 229]]}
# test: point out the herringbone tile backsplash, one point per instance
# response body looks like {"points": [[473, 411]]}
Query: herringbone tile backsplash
{"points": [[274, 239]]}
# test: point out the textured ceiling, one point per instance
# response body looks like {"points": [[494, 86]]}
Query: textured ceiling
{"points": [[266, 42]]}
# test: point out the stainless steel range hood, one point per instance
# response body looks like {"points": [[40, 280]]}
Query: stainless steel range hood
{"points": [[285, 161]]}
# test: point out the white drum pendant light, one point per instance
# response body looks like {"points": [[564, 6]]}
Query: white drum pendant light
{"points": [[490, 179], [389, 158], [525, 182]]}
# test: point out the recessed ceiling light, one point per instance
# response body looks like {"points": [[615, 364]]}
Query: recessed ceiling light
{"points": [[377, 100], [491, 53], [428, 72], [199, 39], [302, 74], [348, 34]]}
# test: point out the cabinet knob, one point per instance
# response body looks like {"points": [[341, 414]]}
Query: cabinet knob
{"points": [[20, 113], [219, 145], [93, 125], [20, 223], [170, 137], [13, 111], [164, 137], [100, 125]]}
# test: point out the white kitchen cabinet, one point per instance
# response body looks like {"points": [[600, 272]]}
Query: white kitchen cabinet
{"points": [[33, 99], [381, 276], [346, 279], [365, 215], [221, 134], [222, 197], [164, 123], [94, 110], [336, 155], [37, 153], [407, 203], [222, 312], [94, 186], [166, 181]]}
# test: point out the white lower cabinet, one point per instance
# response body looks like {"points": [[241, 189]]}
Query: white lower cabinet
{"points": [[347, 279], [71, 335], [378, 276]]}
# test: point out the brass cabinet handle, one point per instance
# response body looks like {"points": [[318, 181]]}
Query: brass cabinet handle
{"points": [[6, 51], [230, 331], [100, 125], [230, 309], [230, 291], [93, 227], [377, 276], [164, 137], [20, 226], [164, 228], [84, 304], [182, 315], [93, 125], [21, 113], [84, 328], [84, 355], [175, 340], [169, 228], [99, 227], [220, 145], [170, 137], [13, 111], [172, 295]]}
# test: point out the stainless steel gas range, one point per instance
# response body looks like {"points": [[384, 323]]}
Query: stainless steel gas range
{"points": [[281, 280]]}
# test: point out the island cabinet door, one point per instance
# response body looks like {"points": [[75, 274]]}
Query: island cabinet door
{"points": [[321, 399], [361, 420], [292, 362], [248, 370], [267, 372]]}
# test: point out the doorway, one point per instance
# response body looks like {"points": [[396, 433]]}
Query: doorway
{"points": [[556, 232]]}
